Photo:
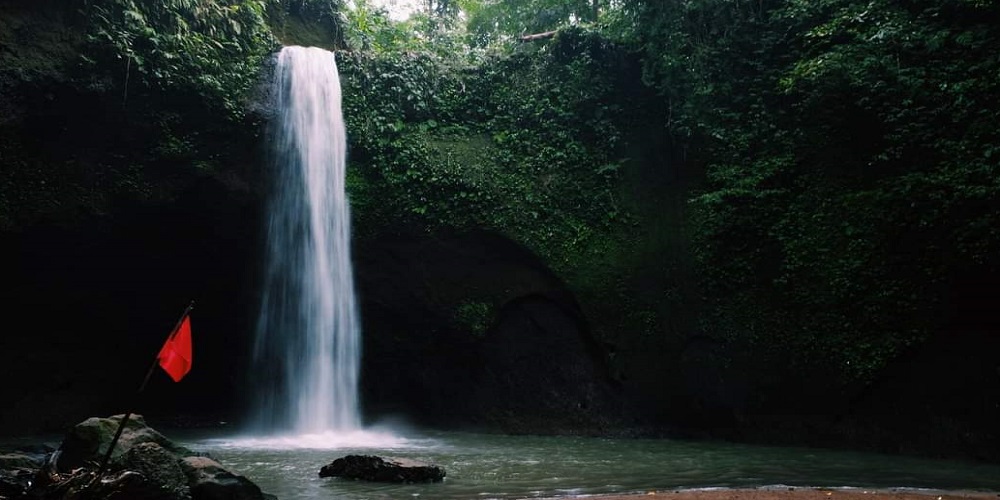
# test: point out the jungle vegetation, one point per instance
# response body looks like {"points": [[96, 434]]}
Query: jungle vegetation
{"points": [[808, 186]]}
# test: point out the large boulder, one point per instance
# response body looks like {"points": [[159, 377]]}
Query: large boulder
{"points": [[87, 442], [160, 470], [145, 465], [383, 469]]}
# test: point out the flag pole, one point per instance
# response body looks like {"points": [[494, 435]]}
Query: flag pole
{"points": [[149, 373]]}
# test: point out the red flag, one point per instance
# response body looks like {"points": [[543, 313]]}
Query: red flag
{"points": [[175, 356]]}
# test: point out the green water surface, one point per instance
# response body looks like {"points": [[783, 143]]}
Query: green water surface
{"points": [[482, 466]]}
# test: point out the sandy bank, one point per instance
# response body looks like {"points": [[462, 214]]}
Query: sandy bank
{"points": [[798, 493]]}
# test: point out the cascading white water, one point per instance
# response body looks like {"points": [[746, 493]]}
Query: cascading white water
{"points": [[307, 352]]}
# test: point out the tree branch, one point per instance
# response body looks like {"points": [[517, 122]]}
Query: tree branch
{"points": [[538, 36]]}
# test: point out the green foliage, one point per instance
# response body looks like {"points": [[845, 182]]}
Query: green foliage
{"points": [[140, 98], [850, 167], [371, 30], [529, 145], [491, 22], [848, 151], [474, 316], [211, 48]]}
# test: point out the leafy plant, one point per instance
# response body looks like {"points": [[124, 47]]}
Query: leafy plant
{"points": [[211, 48]]}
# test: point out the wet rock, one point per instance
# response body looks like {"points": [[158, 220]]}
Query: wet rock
{"points": [[383, 470], [14, 483], [161, 475], [88, 441], [18, 468], [145, 465], [17, 460], [209, 480]]}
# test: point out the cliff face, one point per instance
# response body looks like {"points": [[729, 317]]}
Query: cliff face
{"points": [[472, 329], [40, 44]]}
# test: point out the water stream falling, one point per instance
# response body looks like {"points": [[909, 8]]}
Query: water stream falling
{"points": [[307, 351]]}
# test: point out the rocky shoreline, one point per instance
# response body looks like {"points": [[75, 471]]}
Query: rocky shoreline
{"points": [[143, 465]]}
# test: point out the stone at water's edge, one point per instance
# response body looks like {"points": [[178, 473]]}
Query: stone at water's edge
{"points": [[383, 469], [88, 441], [159, 474], [18, 467], [14, 483], [209, 480], [145, 465]]}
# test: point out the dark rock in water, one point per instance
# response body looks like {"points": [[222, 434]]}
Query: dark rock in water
{"points": [[18, 468], [383, 470], [209, 480], [18, 460]]}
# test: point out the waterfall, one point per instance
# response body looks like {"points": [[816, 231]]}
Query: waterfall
{"points": [[307, 350]]}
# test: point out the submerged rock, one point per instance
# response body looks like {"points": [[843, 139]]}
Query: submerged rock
{"points": [[209, 480], [383, 469]]}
